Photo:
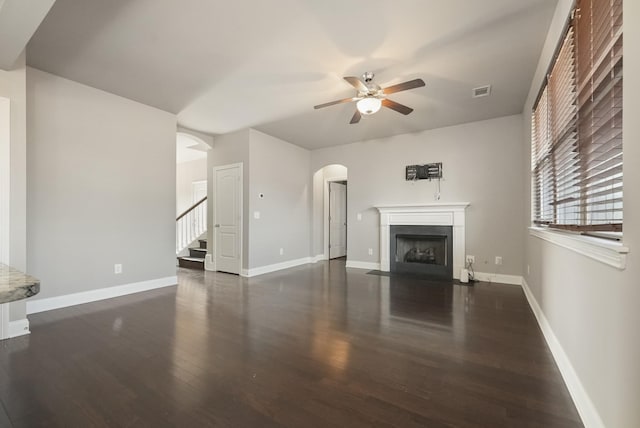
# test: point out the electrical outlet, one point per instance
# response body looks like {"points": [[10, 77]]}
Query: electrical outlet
{"points": [[256, 215], [470, 259], [371, 251], [498, 260], [281, 251], [117, 268]]}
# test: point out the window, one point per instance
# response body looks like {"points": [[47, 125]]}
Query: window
{"points": [[577, 125]]}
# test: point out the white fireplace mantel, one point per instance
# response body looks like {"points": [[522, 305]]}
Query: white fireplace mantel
{"points": [[435, 214]]}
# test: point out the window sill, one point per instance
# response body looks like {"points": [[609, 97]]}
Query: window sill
{"points": [[605, 251]]}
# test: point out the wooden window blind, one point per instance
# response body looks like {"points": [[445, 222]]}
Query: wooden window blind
{"points": [[577, 125]]}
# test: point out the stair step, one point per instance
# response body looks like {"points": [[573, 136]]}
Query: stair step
{"points": [[199, 253], [203, 243], [193, 259], [191, 262]]}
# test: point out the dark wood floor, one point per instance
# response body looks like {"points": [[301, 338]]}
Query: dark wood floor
{"points": [[313, 346]]}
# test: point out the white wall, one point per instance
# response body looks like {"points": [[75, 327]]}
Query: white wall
{"points": [[101, 177], [481, 163], [592, 307], [13, 87], [280, 171], [186, 174]]}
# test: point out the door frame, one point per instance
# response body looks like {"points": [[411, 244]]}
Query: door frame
{"points": [[325, 214], [5, 199], [5, 178], [210, 262]]}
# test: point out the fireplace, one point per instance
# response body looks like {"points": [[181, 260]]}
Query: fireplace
{"points": [[423, 250], [439, 214]]}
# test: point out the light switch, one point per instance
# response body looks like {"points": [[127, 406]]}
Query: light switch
{"points": [[256, 215], [359, 216]]}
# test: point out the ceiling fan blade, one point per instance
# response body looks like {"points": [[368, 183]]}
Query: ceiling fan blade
{"points": [[356, 117], [356, 83], [411, 84], [396, 106], [332, 103]]}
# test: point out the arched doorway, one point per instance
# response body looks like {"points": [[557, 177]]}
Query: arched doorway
{"points": [[330, 224]]}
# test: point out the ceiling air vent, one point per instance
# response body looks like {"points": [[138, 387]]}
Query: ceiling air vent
{"points": [[482, 91]]}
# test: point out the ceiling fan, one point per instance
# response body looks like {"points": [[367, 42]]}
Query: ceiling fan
{"points": [[371, 97]]}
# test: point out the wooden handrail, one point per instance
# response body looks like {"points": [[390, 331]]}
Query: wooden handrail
{"points": [[191, 208]]}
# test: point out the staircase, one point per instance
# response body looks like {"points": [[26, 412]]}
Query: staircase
{"points": [[195, 259], [190, 225]]}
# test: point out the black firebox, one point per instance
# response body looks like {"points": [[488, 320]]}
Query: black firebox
{"points": [[423, 250]]}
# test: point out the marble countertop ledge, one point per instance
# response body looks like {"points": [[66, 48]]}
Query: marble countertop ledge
{"points": [[16, 285]]}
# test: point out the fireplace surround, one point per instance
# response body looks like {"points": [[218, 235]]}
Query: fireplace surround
{"points": [[435, 214]]}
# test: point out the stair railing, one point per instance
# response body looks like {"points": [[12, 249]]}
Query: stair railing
{"points": [[191, 224]]}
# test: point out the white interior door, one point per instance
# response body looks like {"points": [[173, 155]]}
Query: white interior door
{"points": [[227, 218], [337, 220]]}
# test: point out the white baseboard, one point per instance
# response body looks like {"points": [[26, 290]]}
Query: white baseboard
{"points": [[248, 273], [208, 263], [586, 409], [19, 328], [499, 278], [41, 305], [276, 267], [363, 265]]}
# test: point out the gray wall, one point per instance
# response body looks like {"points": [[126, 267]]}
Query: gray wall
{"points": [[481, 163], [186, 174], [101, 177], [228, 149], [13, 86], [591, 307], [281, 171]]}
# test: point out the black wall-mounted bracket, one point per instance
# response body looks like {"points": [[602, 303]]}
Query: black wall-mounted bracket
{"points": [[427, 171]]}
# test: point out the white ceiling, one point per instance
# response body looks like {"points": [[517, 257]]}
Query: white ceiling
{"points": [[227, 65]]}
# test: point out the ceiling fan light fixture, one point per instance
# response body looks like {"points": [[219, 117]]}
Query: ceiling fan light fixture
{"points": [[369, 105], [371, 97]]}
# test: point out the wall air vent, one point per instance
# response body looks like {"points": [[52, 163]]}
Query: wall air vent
{"points": [[482, 91]]}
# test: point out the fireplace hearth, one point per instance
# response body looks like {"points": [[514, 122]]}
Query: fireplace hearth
{"points": [[422, 250]]}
